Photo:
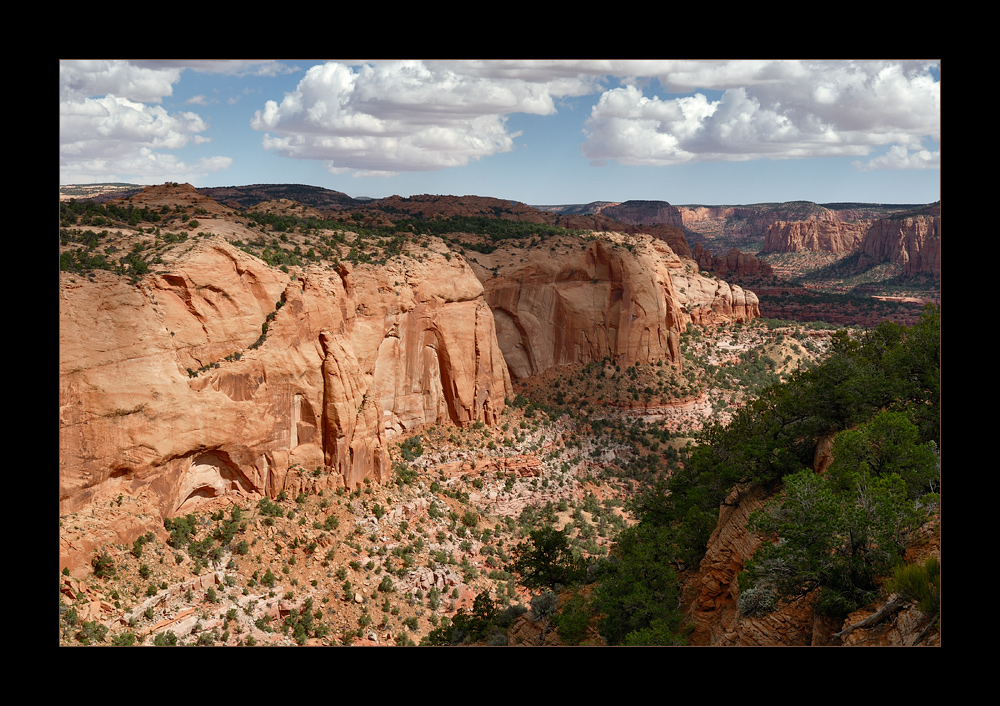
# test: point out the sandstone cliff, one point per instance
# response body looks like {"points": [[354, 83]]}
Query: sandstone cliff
{"points": [[169, 390], [823, 235], [618, 296], [912, 241], [645, 213], [576, 301], [708, 301], [733, 264]]}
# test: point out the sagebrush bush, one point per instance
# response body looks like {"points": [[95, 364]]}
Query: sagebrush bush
{"points": [[757, 601], [544, 605]]}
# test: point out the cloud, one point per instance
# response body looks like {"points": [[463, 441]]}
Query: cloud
{"points": [[767, 109], [81, 79], [410, 115], [899, 157], [143, 165], [386, 117], [113, 128]]}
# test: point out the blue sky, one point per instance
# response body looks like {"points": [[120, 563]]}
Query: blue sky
{"points": [[540, 132]]}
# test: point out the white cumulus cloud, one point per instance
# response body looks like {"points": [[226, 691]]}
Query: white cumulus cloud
{"points": [[899, 157], [410, 115], [113, 128], [767, 109]]}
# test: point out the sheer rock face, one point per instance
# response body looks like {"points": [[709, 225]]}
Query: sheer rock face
{"points": [[734, 263], [575, 301], [350, 359], [815, 235], [913, 242], [625, 297]]}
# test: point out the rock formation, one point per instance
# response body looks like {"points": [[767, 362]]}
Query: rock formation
{"points": [[909, 240], [823, 235], [912, 241], [169, 390], [619, 296], [711, 595], [574, 301], [645, 213], [708, 301], [733, 264], [219, 374]]}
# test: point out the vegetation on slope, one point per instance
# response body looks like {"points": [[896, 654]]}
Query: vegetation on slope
{"points": [[840, 532]]}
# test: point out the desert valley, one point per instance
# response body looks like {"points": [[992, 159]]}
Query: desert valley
{"points": [[292, 417]]}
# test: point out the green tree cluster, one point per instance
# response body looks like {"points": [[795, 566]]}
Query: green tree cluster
{"points": [[546, 560], [879, 393]]}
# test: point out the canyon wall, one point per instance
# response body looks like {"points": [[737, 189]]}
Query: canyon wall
{"points": [[822, 235], [914, 242], [645, 213], [620, 296], [224, 374], [733, 263]]}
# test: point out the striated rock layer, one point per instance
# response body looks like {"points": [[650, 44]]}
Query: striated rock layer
{"points": [[734, 263], [711, 595], [822, 235], [618, 296], [913, 241], [910, 240], [166, 394]]}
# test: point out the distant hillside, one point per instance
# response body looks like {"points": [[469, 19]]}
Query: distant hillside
{"points": [[577, 209], [245, 197], [98, 192]]}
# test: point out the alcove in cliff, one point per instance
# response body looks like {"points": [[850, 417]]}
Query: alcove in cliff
{"points": [[210, 475]]}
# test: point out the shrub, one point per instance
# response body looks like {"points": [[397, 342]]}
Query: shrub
{"points": [[755, 601], [91, 632], [165, 639], [572, 620], [125, 639], [104, 566], [920, 583], [547, 560], [544, 605], [841, 541], [411, 448]]}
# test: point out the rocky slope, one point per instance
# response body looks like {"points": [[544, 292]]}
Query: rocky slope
{"points": [[711, 595]]}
